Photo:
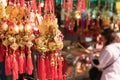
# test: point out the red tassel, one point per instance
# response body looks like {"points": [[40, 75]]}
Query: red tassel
{"points": [[29, 63], [24, 63], [78, 4], [83, 5], [63, 4], [52, 72], [11, 1], [60, 60], [56, 73], [56, 65], [33, 5], [46, 8], [64, 77], [49, 6], [52, 4], [70, 4], [15, 67], [2, 52], [47, 65], [7, 64], [39, 8], [20, 63], [38, 66], [41, 68], [53, 67], [22, 2], [65, 66]]}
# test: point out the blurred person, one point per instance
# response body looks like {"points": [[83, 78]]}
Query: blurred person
{"points": [[109, 59]]}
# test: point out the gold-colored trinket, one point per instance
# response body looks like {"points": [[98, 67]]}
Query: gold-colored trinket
{"points": [[5, 42], [14, 46], [29, 44]]}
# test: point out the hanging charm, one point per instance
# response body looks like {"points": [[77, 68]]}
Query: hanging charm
{"points": [[29, 67]]}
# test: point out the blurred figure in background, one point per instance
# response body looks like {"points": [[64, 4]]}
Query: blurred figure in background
{"points": [[109, 57]]}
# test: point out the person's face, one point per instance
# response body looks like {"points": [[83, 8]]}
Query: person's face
{"points": [[102, 39]]}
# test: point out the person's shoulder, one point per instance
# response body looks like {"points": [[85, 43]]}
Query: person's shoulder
{"points": [[111, 46]]}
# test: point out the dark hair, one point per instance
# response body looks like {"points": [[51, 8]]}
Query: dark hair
{"points": [[107, 33]]}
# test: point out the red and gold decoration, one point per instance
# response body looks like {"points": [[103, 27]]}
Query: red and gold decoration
{"points": [[23, 27]]}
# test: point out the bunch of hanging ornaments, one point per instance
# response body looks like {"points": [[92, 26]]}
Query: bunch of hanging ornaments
{"points": [[17, 35], [48, 44], [22, 28]]}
